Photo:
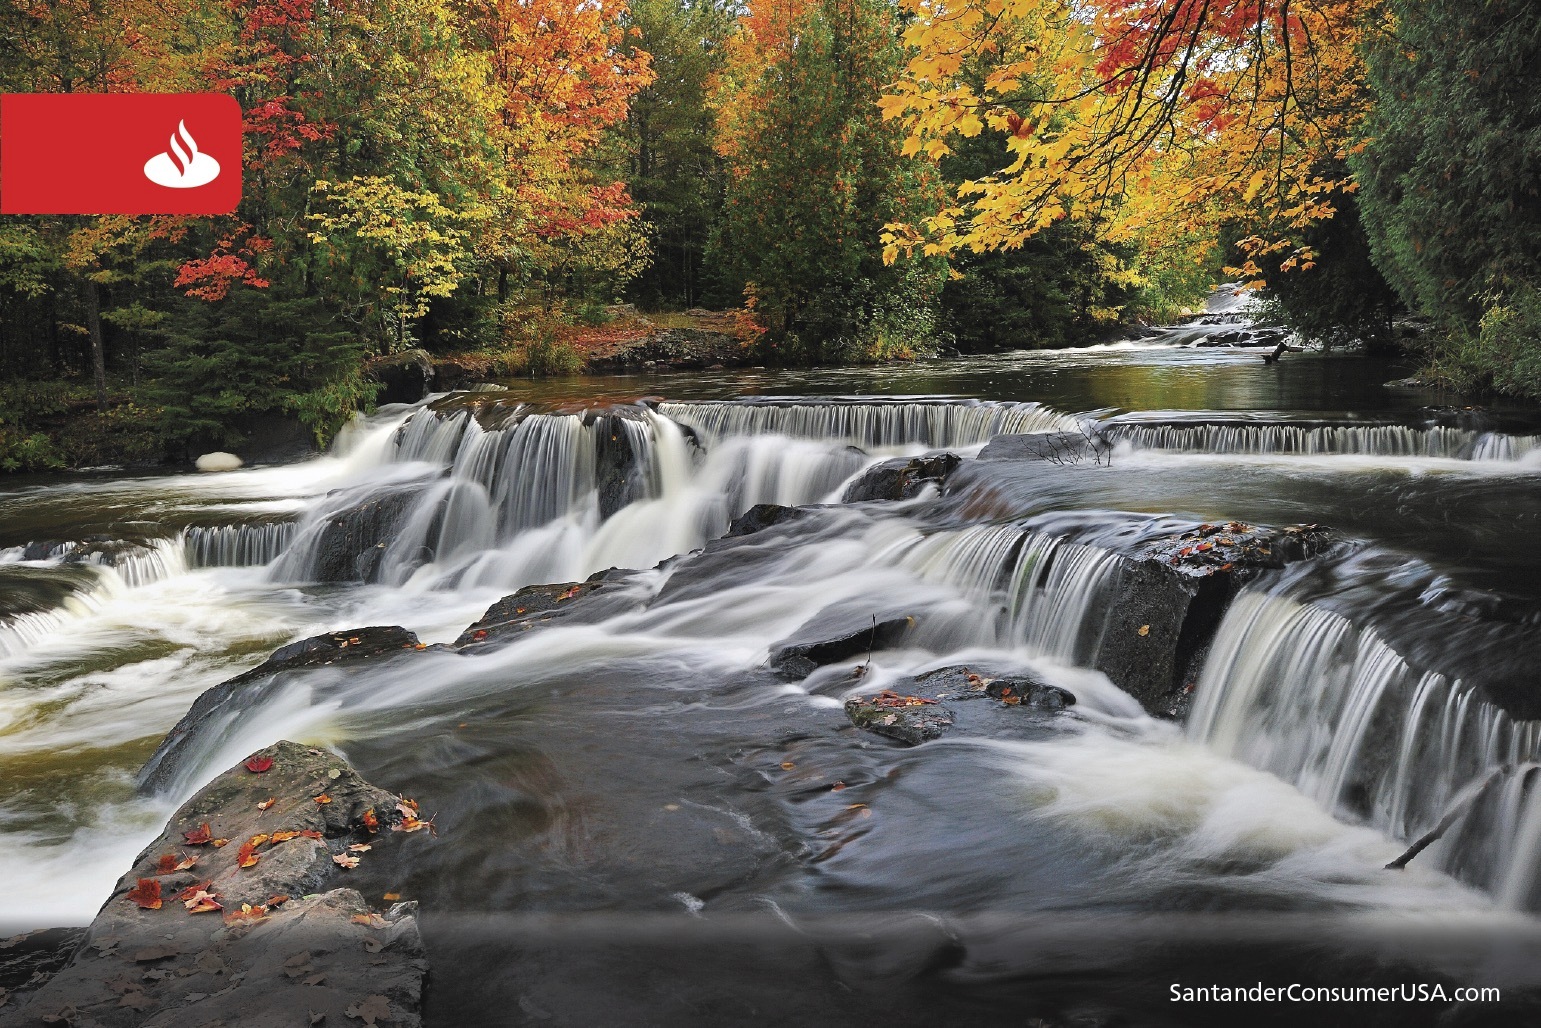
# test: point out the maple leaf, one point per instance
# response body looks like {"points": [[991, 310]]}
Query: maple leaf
{"points": [[323, 799], [200, 836], [345, 860], [257, 765], [193, 890], [278, 837], [370, 1010], [372, 919], [246, 913], [202, 902], [370, 821], [360, 847], [247, 856], [310, 833], [278, 901], [265, 804], [147, 894]]}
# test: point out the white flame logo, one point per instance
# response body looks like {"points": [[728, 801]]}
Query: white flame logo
{"points": [[185, 166]]}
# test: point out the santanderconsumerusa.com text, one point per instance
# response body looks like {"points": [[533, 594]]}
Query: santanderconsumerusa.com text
{"points": [[1297, 993]]}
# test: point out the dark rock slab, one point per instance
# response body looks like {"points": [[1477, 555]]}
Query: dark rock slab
{"points": [[347, 547], [536, 606], [902, 478], [838, 632], [762, 516], [29, 960], [617, 461], [1015, 704], [356, 645], [313, 957], [1055, 447]]}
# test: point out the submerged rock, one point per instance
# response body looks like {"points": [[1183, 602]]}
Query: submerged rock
{"points": [[294, 954], [909, 719], [902, 478], [349, 545], [229, 697], [535, 606]]}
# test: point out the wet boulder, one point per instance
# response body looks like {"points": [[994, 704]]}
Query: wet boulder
{"points": [[1065, 448], [1171, 596], [348, 545], [909, 719], [836, 633], [404, 377], [591, 601], [902, 478], [762, 516], [618, 462], [257, 931], [228, 698]]}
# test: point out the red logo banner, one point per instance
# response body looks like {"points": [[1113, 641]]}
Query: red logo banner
{"points": [[119, 153]]}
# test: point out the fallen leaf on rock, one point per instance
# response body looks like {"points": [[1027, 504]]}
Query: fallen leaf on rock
{"points": [[193, 890], [200, 836], [323, 799], [156, 974], [299, 959], [310, 833], [202, 902], [246, 913], [360, 847], [211, 963], [837, 787], [479, 634], [220, 843], [147, 894], [787, 765], [569, 593], [370, 1010], [247, 856], [391, 897], [373, 945], [1144, 631], [257, 765], [279, 900], [370, 821], [315, 979], [372, 919], [265, 804], [345, 861], [412, 824], [278, 837]]}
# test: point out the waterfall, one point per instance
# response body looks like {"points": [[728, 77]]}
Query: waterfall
{"points": [[1047, 594], [115, 569], [237, 546], [870, 423], [1300, 691], [1322, 440]]}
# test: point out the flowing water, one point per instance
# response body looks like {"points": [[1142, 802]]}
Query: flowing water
{"points": [[637, 814]]}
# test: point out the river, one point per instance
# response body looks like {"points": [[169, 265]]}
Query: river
{"points": [[636, 814]]}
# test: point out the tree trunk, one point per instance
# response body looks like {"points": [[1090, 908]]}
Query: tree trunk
{"points": [[94, 329]]}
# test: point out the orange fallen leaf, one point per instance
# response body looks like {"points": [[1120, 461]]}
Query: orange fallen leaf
{"points": [[147, 894], [247, 855], [310, 833], [200, 836], [258, 840], [257, 765], [185, 863], [323, 799], [391, 897], [193, 890], [246, 913], [1144, 631], [344, 860], [265, 804], [479, 634], [219, 843], [278, 837], [372, 919], [787, 765], [278, 901], [370, 821]]}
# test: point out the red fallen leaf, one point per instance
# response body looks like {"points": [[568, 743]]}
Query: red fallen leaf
{"points": [[167, 864], [479, 634], [200, 836], [147, 894], [1226, 567], [265, 804], [247, 855], [413, 824], [323, 799], [193, 890], [310, 833], [569, 593], [278, 901], [257, 765], [370, 821]]}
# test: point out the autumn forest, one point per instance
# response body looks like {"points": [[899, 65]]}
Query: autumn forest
{"points": [[846, 181]]}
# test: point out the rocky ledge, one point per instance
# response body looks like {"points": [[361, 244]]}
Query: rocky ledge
{"points": [[237, 915]]}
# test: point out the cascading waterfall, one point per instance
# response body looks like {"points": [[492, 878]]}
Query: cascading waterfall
{"points": [[1323, 440], [115, 570], [1046, 593], [237, 546], [1302, 692], [873, 423]]}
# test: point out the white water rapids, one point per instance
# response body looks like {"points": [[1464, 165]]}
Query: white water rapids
{"points": [[1276, 744]]}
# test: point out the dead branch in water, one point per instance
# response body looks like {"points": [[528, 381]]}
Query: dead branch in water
{"points": [[1454, 814]]}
